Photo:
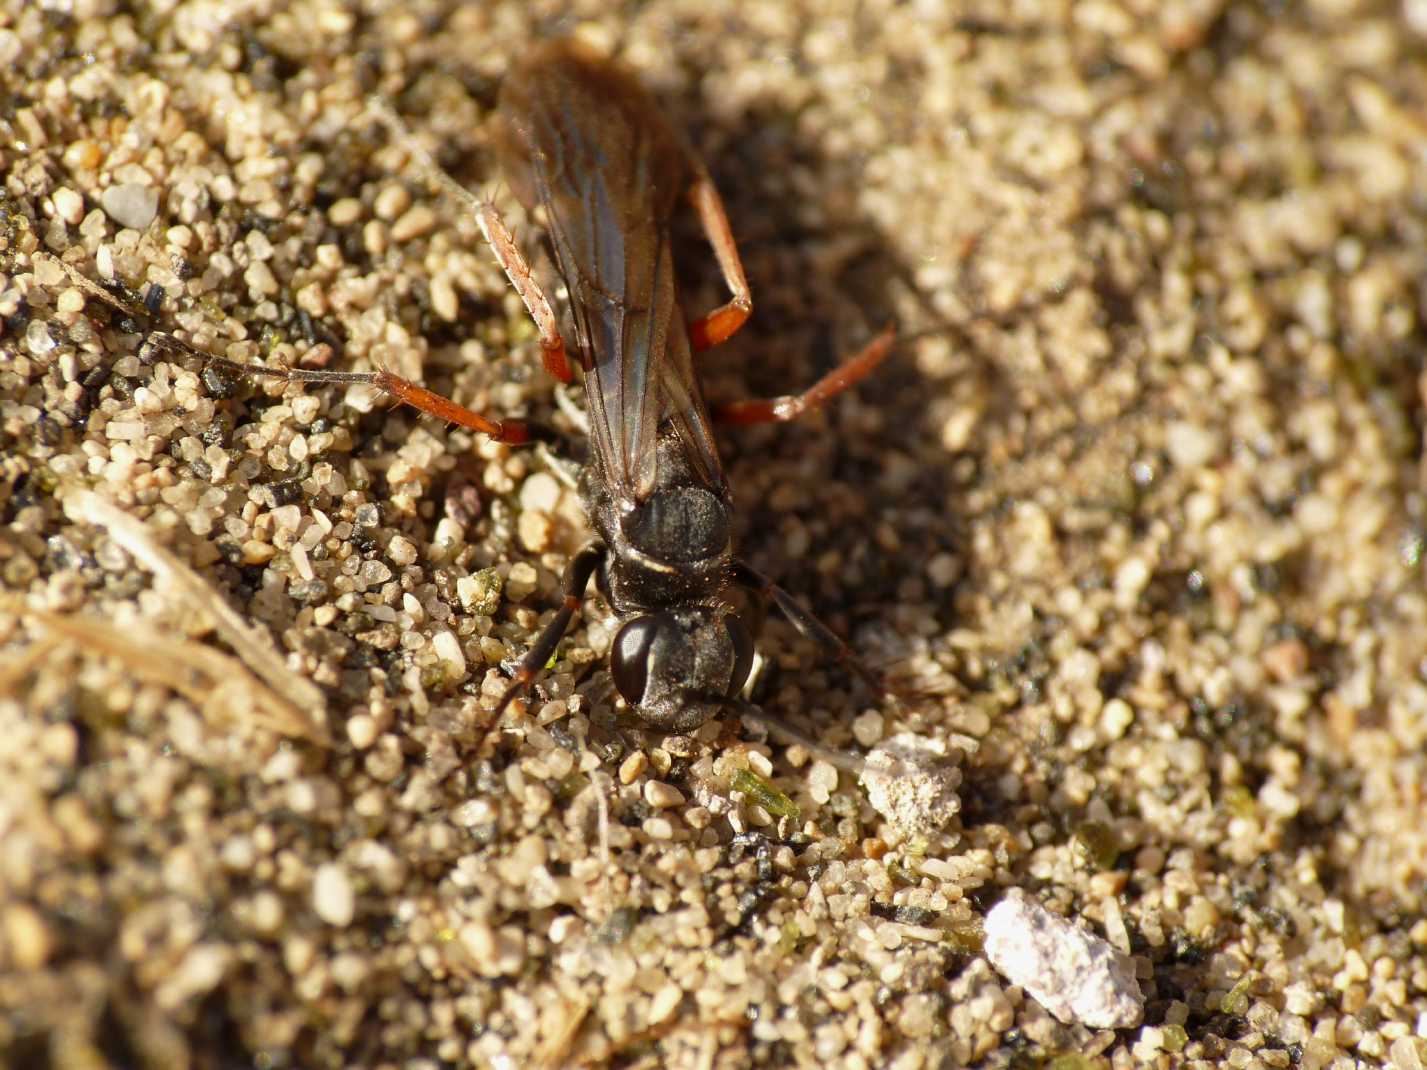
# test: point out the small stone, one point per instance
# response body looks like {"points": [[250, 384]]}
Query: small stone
{"points": [[633, 767], [662, 796], [333, 897], [665, 1002], [402, 551], [267, 912], [520, 584], [1116, 718], [345, 211], [27, 937], [1131, 579], [258, 553], [1300, 998], [131, 205], [1405, 1054], [908, 783], [867, 728], [260, 279], [480, 591], [83, 155], [39, 341], [199, 972], [943, 570], [448, 649], [535, 531], [1191, 446], [1286, 660], [1074, 974], [416, 223], [444, 300], [540, 492], [658, 828], [349, 971], [69, 205], [312, 299], [822, 781], [391, 202], [494, 952]]}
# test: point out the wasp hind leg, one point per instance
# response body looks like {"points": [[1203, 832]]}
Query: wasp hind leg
{"points": [[790, 406], [723, 322]]}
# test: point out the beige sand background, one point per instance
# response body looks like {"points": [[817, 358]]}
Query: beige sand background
{"points": [[1136, 510]]}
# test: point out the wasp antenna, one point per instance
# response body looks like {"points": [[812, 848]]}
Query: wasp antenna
{"points": [[845, 760]]}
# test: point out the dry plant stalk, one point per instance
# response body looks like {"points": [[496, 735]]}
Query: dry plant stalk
{"points": [[277, 696], [219, 686]]}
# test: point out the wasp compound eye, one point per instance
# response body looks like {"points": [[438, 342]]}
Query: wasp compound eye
{"points": [[742, 641], [630, 656]]}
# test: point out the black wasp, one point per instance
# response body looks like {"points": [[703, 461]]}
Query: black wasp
{"points": [[579, 137]]}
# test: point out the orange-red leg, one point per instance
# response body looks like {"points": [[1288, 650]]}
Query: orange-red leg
{"points": [[497, 234], [791, 406], [513, 432], [510, 258], [723, 322]]}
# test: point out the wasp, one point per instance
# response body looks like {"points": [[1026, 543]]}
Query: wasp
{"points": [[579, 137]]}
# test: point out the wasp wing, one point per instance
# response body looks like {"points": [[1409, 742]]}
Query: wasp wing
{"points": [[593, 150]]}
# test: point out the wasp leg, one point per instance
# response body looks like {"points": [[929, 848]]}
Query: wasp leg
{"points": [[517, 270], [807, 625], [723, 322], [512, 432], [577, 577], [497, 234], [791, 406]]}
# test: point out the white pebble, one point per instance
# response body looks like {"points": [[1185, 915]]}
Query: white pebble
{"points": [[822, 781], [199, 972], [759, 763], [943, 570], [362, 730], [69, 205], [867, 728], [1131, 578], [520, 584], [662, 796], [1074, 974], [1404, 1054], [333, 897], [39, 342], [541, 492], [908, 783], [260, 279], [665, 1002], [444, 300], [448, 649], [402, 551], [131, 205], [1189, 445], [1116, 718], [494, 952]]}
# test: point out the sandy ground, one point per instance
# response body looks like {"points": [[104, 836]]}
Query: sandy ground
{"points": [[1135, 514]]}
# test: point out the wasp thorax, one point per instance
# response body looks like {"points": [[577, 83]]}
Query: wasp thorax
{"points": [[679, 525]]}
